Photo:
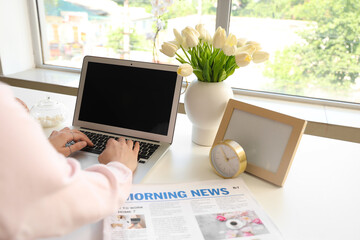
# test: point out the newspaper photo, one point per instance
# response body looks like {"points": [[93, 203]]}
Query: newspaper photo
{"points": [[209, 210]]}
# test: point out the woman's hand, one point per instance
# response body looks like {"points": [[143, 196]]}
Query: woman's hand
{"points": [[59, 139], [121, 150]]}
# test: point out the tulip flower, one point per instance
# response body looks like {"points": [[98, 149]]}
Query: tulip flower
{"points": [[241, 42], [194, 31], [219, 38], [184, 45], [242, 59], [169, 49], [255, 44], [250, 49], [185, 70], [211, 59], [230, 45], [178, 36], [204, 34], [260, 56], [175, 43], [191, 36]]}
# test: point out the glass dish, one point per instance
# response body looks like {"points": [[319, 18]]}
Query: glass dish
{"points": [[48, 113]]}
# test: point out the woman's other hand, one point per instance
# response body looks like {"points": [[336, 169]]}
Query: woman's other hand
{"points": [[121, 150]]}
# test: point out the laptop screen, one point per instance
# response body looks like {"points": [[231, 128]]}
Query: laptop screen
{"points": [[128, 97]]}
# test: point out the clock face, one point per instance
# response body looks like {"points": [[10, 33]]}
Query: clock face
{"points": [[225, 160]]}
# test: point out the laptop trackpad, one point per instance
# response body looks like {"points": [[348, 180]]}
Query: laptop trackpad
{"points": [[85, 159]]}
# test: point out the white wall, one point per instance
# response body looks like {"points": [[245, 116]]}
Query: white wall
{"points": [[16, 51]]}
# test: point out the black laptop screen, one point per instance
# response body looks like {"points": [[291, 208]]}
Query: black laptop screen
{"points": [[128, 97]]}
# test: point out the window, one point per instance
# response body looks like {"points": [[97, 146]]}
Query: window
{"points": [[130, 29], [314, 45]]}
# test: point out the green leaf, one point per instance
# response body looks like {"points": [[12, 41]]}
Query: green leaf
{"points": [[218, 66], [231, 71], [230, 62], [222, 76], [198, 73], [216, 70], [206, 72], [213, 56]]}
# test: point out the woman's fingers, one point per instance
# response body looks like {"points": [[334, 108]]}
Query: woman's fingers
{"points": [[74, 135], [137, 147], [79, 136], [130, 143], [110, 141], [77, 146]]}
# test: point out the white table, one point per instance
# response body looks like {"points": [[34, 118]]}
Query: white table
{"points": [[320, 199]]}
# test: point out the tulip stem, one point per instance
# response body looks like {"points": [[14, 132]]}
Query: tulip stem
{"points": [[185, 53], [181, 58]]}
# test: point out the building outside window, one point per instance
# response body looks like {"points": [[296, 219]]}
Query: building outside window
{"points": [[314, 45], [129, 29]]}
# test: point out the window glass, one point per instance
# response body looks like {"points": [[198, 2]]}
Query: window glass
{"points": [[129, 29], [314, 46]]}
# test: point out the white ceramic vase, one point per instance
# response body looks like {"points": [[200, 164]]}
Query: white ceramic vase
{"points": [[205, 103]]}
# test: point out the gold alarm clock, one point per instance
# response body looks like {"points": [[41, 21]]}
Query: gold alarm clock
{"points": [[228, 158]]}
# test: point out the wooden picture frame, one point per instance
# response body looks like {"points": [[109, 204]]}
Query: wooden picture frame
{"points": [[269, 138]]}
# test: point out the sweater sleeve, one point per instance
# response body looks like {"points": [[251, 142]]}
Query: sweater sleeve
{"points": [[43, 193]]}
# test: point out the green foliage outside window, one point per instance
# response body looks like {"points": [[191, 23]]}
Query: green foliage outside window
{"points": [[137, 41], [328, 57]]}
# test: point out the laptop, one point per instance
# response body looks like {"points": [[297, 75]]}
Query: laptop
{"points": [[133, 99]]}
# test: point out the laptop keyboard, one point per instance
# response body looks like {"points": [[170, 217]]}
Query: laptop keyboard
{"points": [[100, 140]]}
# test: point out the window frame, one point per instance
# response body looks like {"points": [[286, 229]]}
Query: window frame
{"points": [[36, 9], [36, 12]]}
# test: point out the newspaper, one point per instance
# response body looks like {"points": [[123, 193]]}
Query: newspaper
{"points": [[219, 209]]}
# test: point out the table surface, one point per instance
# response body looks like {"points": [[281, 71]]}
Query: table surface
{"points": [[320, 198]]}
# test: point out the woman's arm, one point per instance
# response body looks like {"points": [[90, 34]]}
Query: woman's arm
{"points": [[42, 192]]}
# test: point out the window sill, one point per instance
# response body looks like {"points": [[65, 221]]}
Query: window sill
{"points": [[342, 123], [45, 80], [325, 119]]}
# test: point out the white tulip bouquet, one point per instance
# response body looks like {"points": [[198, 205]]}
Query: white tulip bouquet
{"points": [[211, 59]]}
